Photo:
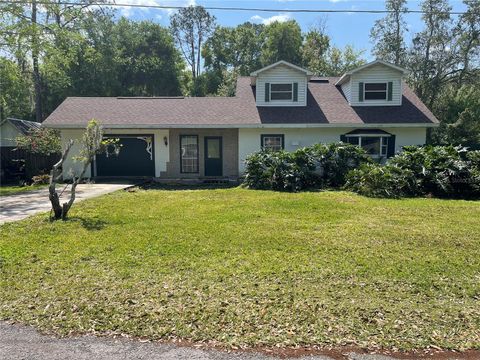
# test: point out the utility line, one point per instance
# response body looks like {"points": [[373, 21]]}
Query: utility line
{"points": [[220, 8]]}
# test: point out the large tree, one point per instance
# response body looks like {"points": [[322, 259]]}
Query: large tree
{"points": [[433, 54], [150, 63], [283, 41], [29, 31], [111, 58], [191, 27], [314, 50], [235, 48], [339, 61], [388, 33], [468, 35], [15, 89], [459, 110]]}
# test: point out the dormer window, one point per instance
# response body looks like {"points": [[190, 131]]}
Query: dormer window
{"points": [[375, 91], [281, 92]]}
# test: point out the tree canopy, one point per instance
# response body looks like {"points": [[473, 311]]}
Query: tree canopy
{"points": [[78, 49]]}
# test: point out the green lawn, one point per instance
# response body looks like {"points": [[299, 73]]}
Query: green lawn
{"points": [[16, 189], [249, 268]]}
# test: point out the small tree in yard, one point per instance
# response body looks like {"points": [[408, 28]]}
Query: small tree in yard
{"points": [[92, 144]]}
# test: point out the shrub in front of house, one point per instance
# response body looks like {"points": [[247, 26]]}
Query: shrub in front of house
{"points": [[315, 167], [334, 161], [278, 170], [440, 171], [375, 180]]}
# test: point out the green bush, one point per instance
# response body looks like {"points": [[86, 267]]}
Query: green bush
{"points": [[440, 171], [317, 166], [275, 171], [334, 161], [389, 181]]}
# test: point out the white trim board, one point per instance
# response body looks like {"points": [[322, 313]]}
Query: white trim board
{"points": [[245, 126]]}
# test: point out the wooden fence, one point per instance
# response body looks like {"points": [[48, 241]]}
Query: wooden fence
{"points": [[22, 165]]}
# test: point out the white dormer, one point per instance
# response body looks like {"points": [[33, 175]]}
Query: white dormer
{"points": [[377, 83], [281, 84]]}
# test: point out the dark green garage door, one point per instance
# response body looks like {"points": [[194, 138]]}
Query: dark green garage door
{"points": [[135, 158]]}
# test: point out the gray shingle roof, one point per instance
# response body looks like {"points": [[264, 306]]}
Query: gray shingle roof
{"points": [[326, 104], [24, 126]]}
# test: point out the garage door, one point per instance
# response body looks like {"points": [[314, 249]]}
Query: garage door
{"points": [[135, 158]]}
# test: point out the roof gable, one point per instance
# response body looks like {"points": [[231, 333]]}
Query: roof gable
{"points": [[285, 63], [346, 77], [23, 126]]}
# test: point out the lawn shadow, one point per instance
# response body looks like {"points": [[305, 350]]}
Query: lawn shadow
{"points": [[184, 186], [90, 224]]}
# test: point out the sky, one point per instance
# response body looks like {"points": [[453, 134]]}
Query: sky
{"points": [[343, 28]]}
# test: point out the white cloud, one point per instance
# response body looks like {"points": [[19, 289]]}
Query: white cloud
{"points": [[271, 19], [129, 11]]}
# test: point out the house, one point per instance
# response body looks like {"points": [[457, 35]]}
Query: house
{"points": [[11, 128], [281, 106], [13, 161]]}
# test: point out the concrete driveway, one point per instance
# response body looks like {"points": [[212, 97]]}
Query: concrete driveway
{"points": [[20, 206]]}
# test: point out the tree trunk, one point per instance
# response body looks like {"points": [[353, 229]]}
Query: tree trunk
{"points": [[55, 175], [60, 211], [66, 206], [36, 69], [198, 54]]}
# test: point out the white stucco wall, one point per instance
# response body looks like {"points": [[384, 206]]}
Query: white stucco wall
{"points": [[8, 134], [249, 139], [162, 154]]}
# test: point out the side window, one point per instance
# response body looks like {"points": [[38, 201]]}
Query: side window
{"points": [[376, 146], [274, 142]]}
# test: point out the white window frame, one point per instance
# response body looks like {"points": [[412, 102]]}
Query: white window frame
{"points": [[196, 166], [265, 136], [383, 143], [375, 91], [281, 83]]}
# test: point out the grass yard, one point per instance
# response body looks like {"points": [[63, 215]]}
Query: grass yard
{"points": [[251, 268], [16, 189]]}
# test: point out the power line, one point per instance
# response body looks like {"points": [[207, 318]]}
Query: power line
{"points": [[220, 8]]}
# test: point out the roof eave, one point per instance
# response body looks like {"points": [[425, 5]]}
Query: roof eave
{"points": [[281, 62], [345, 77], [255, 125]]}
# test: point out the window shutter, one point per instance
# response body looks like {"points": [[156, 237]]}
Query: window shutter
{"points": [[390, 90], [295, 91], [391, 146], [360, 91], [343, 138], [267, 92]]}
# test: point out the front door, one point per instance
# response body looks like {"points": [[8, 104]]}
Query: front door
{"points": [[213, 156]]}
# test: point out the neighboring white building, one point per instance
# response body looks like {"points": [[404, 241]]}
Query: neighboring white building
{"points": [[281, 106], [11, 128]]}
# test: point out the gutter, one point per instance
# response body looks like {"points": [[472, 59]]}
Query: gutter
{"points": [[246, 126]]}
